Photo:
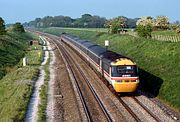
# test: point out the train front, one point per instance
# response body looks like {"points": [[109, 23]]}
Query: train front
{"points": [[124, 75]]}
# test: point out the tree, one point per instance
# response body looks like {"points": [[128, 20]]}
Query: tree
{"points": [[17, 27], [161, 22], [131, 23], [116, 23], [147, 20], [144, 31], [145, 27], [2, 27]]}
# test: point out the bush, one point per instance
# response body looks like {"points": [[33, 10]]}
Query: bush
{"points": [[2, 27], [144, 31], [17, 27]]}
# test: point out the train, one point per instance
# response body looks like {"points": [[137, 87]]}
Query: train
{"points": [[120, 71]]}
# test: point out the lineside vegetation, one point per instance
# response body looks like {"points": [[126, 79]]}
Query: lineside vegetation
{"points": [[16, 87]]}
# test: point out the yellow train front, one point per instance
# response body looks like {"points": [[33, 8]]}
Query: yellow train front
{"points": [[122, 73]]}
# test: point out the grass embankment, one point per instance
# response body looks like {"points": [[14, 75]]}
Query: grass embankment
{"points": [[166, 33], [15, 86], [159, 62], [12, 48]]}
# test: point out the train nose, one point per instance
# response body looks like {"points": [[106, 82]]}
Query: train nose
{"points": [[125, 86]]}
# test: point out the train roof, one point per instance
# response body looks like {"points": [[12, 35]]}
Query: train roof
{"points": [[107, 55], [81, 41], [87, 44], [98, 50], [110, 56]]}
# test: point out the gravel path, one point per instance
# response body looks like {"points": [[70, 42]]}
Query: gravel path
{"points": [[32, 111], [50, 104]]}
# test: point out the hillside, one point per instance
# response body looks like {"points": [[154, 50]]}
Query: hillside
{"points": [[12, 48], [159, 62]]}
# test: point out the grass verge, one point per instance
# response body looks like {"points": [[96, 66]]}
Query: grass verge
{"points": [[16, 87], [44, 94]]}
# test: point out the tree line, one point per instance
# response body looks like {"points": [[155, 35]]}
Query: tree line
{"points": [[17, 27], [85, 21]]}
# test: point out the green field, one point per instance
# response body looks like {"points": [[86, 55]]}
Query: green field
{"points": [[15, 86], [166, 33], [159, 62]]}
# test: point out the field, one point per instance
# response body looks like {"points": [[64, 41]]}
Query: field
{"points": [[165, 33], [16, 86], [159, 61]]}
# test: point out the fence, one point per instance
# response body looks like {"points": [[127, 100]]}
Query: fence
{"points": [[166, 38]]}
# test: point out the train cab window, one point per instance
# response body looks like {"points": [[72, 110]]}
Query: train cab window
{"points": [[125, 69], [119, 71]]}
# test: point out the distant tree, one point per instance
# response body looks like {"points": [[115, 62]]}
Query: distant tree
{"points": [[89, 21], [86, 21], [47, 21], [38, 22], [147, 20], [161, 22], [145, 27], [131, 23], [177, 22], [2, 27], [18, 27], [116, 23]]}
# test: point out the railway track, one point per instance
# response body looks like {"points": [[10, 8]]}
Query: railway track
{"points": [[146, 109], [133, 114], [89, 115], [74, 69]]}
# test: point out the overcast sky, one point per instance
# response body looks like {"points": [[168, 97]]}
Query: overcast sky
{"points": [[25, 10]]}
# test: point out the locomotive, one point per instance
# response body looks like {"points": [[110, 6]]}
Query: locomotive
{"points": [[120, 71]]}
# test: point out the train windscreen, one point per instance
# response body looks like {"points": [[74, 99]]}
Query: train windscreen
{"points": [[124, 71]]}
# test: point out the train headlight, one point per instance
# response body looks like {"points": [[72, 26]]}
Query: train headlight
{"points": [[135, 80]]}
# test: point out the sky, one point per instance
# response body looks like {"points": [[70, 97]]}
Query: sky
{"points": [[26, 10]]}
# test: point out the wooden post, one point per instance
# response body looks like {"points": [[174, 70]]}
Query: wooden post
{"points": [[24, 61]]}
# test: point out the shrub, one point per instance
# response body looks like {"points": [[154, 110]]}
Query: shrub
{"points": [[144, 31], [2, 27], [17, 27]]}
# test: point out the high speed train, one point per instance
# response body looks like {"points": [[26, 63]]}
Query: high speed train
{"points": [[120, 71]]}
